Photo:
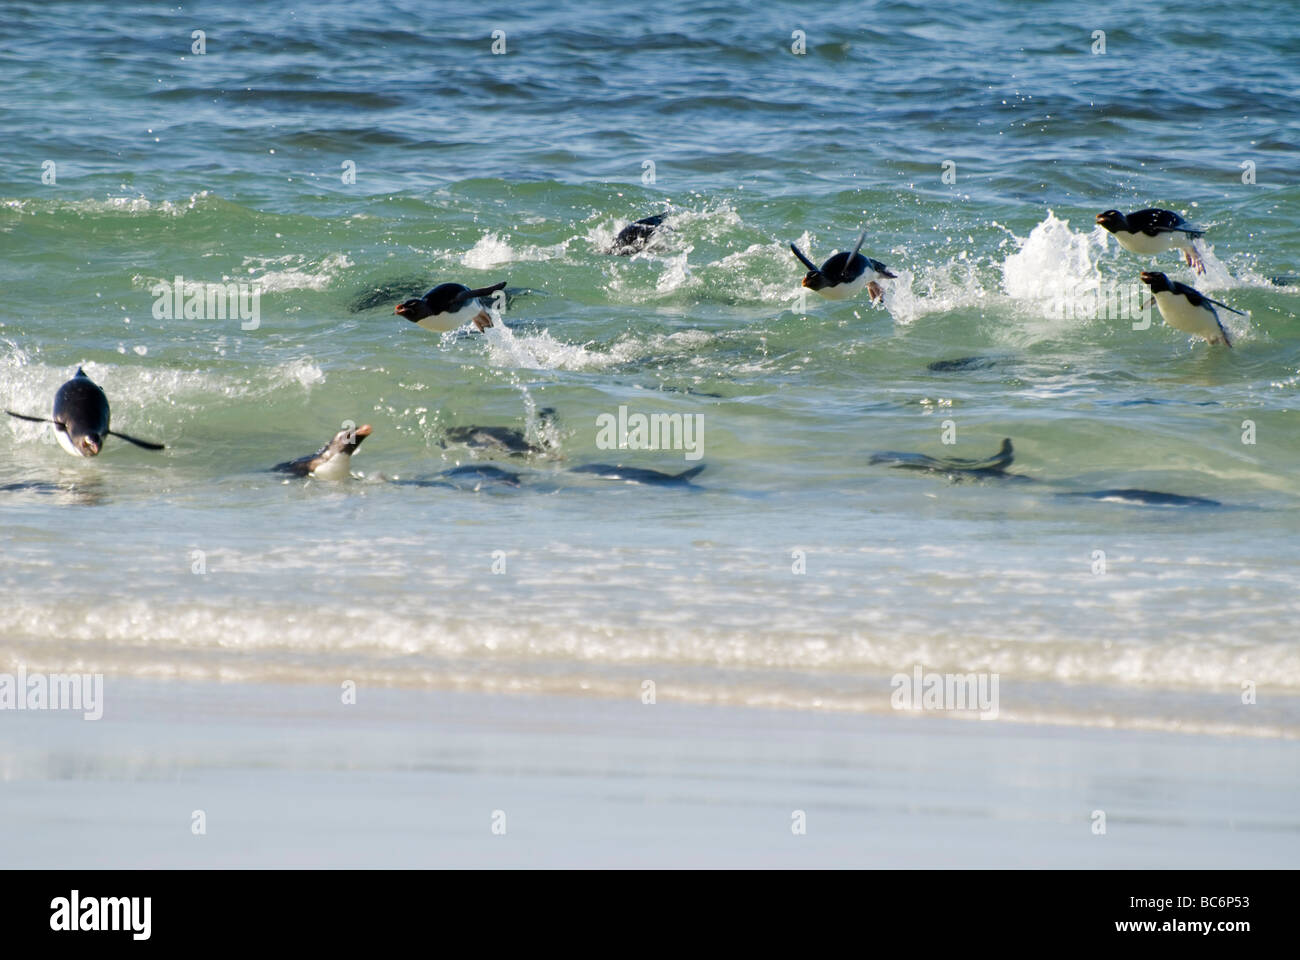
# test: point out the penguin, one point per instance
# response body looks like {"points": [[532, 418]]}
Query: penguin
{"points": [[448, 306], [332, 461], [81, 417], [1186, 310], [1153, 231], [507, 440], [636, 236], [474, 475], [995, 468], [606, 471], [844, 275]]}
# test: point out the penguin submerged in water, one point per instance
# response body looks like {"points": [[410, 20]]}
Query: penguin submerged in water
{"points": [[449, 306], [642, 475], [510, 441], [843, 275], [636, 236], [958, 469], [81, 418]]}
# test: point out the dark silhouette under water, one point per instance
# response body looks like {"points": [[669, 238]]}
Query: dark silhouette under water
{"points": [[957, 469]]}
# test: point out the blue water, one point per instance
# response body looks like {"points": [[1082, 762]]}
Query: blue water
{"points": [[478, 167]]}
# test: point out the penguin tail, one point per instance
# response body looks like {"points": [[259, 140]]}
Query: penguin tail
{"points": [[1005, 455], [687, 475]]}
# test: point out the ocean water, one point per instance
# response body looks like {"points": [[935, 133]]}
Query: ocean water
{"points": [[230, 166]]}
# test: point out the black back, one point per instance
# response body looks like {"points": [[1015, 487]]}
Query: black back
{"points": [[638, 474], [81, 407], [636, 235], [843, 267], [446, 297], [1153, 221]]}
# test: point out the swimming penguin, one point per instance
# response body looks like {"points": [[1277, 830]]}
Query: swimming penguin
{"points": [[332, 461], [81, 418], [1186, 310], [957, 469], [844, 275], [994, 467], [506, 440], [635, 236], [1146, 498], [606, 471], [448, 306], [965, 363], [474, 475], [1153, 231]]}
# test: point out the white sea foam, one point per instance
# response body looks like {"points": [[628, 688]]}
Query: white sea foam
{"points": [[109, 205], [28, 386], [299, 275], [494, 250]]}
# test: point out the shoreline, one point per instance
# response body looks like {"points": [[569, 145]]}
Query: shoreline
{"points": [[290, 776]]}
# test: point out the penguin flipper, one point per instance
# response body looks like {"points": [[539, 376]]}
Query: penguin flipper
{"points": [[485, 291], [23, 416], [1004, 457], [139, 443], [857, 246], [804, 260], [1224, 305], [300, 467]]}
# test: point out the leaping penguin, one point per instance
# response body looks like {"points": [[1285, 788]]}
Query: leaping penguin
{"points": [[843, 275], [81, 418], [1153, 231], [448, 306], [1185, 309]]}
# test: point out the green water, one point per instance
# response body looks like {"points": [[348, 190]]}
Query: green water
{"points": [[228, 168]]}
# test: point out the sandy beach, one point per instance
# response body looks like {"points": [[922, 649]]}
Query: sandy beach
{"points": [[289, 776]]}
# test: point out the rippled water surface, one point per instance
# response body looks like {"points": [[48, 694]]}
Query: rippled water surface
{"points": [[230, 166]]}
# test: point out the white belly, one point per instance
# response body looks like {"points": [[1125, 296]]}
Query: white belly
{"points": [[1181, 315], [66, 442], [337, 467], [1141, 243], [442, 322], [847, 291]]}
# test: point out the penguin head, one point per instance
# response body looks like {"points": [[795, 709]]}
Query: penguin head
{"points": [[334, 460], [414, 309], [346, 441], [1112, 220], [1158, 282], [88, 443], [816, 280]]}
